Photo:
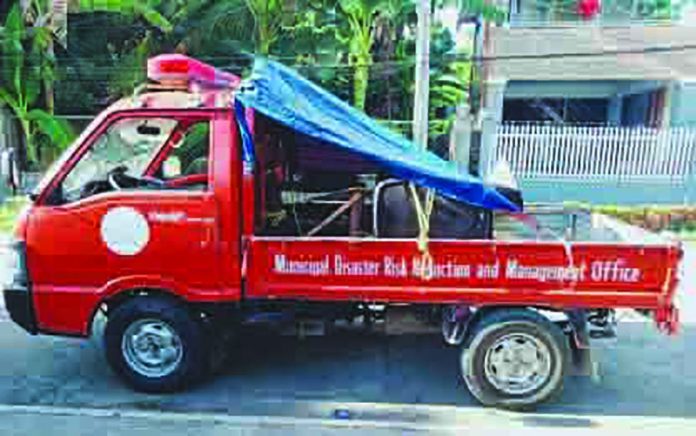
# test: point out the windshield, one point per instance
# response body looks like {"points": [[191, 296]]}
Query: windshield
{"points": [[65, 156], [129, 143]]}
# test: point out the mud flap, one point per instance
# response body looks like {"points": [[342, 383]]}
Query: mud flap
{"points": [[579, 344]]}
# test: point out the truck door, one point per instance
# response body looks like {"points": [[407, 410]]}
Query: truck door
{"points": [[135, 207]]}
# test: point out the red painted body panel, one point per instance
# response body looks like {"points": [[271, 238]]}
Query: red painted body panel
{"points": [[471, 272], [193, 247], [67, 255]]}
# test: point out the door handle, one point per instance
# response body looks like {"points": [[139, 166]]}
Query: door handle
{"points": [[208, 235], [209, 229]]}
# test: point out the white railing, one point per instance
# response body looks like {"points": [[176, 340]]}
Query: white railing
{"points": [[597, 153]]}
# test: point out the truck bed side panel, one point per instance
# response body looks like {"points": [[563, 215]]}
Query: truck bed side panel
{"points": [[473, 272]]}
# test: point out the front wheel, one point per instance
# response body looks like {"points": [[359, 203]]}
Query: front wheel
{"points": [[155, 345], [516, 359]]}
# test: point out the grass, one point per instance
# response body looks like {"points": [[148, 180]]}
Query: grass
{"points": [[687, 235], [683, 227], [8, 213]]}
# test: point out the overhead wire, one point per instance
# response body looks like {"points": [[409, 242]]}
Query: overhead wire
{"points": [[444, 57]]}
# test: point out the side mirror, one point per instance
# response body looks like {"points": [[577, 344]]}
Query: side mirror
{"points": [[9, 170], [5, 164]]}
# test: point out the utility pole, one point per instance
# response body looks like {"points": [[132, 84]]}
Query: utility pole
{"points": [[59, 28], [466, 138], [59, 21], [477, 89], [420, 101]]}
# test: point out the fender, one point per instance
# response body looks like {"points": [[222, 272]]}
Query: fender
{"points": [[128, 283], [122, 285]]}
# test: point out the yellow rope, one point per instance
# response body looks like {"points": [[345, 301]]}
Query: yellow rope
{"points": [[423, 215], [275, 218]]}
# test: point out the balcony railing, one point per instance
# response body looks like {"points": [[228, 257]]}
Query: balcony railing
{"points": [[626, 154], [542, 13], [599, 165]]}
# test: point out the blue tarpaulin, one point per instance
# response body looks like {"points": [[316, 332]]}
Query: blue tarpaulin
{"points": [[281, 94]]}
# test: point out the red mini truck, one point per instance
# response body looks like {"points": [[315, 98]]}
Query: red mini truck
{"points": [[203, 204]]}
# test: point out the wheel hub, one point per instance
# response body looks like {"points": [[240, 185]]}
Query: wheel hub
{"points": [[517, 364], [152, 348]]}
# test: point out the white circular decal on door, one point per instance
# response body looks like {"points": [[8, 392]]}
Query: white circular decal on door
{"points": [[125, 231]]}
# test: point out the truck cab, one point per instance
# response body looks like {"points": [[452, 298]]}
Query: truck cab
{"points": [[152, 183]]}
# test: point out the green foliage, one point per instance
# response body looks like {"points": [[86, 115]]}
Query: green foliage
{"points": [[656, 9], [194, 145], [362, 50], [145, 9], [449, 88], [319, 36], [364, 18], [9, 211], [13, 52], [204, 25], [131, 70], [620, 10], [268, 18], [489, 11], [57, 130], [27, 66]]}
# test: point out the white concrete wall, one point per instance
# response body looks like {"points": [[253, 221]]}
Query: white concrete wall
{"points": [[637, 65], [683, 103]]}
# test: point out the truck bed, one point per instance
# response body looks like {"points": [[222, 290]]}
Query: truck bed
{"points": [[556, 274]]}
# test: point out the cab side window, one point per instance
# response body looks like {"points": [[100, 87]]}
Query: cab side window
{"points": [[144, 154], [186, 165]]}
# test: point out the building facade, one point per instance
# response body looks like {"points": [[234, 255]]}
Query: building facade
{"points": [[623, 78]]}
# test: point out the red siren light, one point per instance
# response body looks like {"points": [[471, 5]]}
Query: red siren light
{"points": [[171, 68]]}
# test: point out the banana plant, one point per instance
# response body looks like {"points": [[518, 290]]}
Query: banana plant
{"points": [[24, 70], [38, 15], [268, 17], [145, 9], [363, 18], [448, 89]]}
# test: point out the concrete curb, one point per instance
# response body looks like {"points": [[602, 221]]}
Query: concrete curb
{"points": [[458, 419]]}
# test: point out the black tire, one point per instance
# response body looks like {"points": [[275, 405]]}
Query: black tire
{"points": [[508, 323], [191, 364]]}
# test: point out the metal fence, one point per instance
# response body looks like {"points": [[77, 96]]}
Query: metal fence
{"points": [[629, 157]]}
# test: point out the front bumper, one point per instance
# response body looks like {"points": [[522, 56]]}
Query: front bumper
{"points": [[17, 291], [20, 306]]}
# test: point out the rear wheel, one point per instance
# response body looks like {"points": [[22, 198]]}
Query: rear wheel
{"points": [[515, 359], [155, 345]]}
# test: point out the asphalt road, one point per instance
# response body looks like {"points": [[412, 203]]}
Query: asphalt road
{"points": [[363, 384]]}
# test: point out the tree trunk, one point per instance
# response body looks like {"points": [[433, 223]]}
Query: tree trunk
{"points": [[264, 36], [264, 47], [361, 76], [48, 83], [27, 154], [360, 81]]}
